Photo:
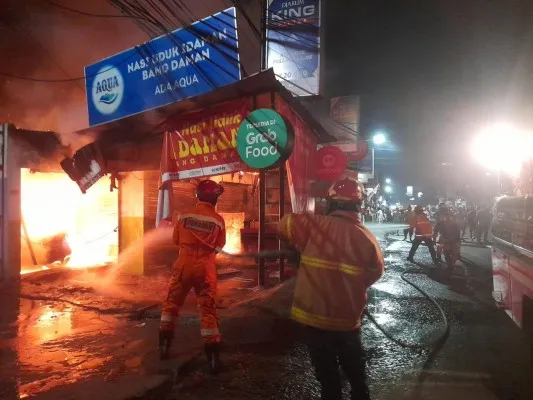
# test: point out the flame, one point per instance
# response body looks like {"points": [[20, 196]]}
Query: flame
{"points": [[52, 204], [234, 223], [29, 270]]}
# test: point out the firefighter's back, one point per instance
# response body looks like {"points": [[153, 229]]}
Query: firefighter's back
{"points": [[340, 259], [199, 231]]}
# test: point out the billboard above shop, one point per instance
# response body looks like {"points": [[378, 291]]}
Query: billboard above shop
{"points": [[293, 44], [183, 63], [344, 111]]}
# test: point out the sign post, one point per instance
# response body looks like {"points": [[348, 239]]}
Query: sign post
{"points": [[264, 141]]}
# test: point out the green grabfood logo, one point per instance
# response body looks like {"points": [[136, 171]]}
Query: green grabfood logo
{"points": [[264, 139]]}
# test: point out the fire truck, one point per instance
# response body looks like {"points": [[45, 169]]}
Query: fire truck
{"points": [[512, 260]]}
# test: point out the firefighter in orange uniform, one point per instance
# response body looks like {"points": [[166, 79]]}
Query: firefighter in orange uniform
{"points": [[340, 260], [423, 233], [198, 233]]}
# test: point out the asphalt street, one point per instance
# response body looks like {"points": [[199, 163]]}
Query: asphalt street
{"points": [[484, 356]]}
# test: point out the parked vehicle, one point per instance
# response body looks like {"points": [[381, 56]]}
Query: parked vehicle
{"points": [[512, 260]]}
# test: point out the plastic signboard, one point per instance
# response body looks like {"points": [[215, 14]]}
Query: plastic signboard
{"points": [[330, 163], [264, 139], [183, 63], [293, 44]]}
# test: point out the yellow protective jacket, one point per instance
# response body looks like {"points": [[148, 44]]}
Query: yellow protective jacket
{"points": [[340, 260]]}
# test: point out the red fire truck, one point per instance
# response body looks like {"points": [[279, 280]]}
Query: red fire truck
{"points": [[512, 259]]}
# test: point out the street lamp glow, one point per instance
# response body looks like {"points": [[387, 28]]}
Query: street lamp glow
{"points": [[379, 138], [388, 181], [388, 189], [502, 147]]}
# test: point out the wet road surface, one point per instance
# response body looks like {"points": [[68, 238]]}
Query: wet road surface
{"points": [[484, 356], [67, 331]]}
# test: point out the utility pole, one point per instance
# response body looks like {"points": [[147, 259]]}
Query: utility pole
{"points": [[263, 47]]}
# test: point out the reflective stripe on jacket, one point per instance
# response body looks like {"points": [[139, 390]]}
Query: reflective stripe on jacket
{"points": [[422, 226], [197, 233], [340, 259]]}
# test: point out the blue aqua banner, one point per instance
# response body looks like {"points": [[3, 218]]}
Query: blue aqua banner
{"points": [[293, 44], [184, 63]]}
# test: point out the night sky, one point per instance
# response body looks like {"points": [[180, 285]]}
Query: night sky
{"points": [[430, 73], [433, 73]]}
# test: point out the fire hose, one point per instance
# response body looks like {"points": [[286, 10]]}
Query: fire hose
{"points": [[288, 252], [430, 344], [427, 345]]}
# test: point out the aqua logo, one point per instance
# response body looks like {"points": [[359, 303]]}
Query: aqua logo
{"points": [[107, 90]]}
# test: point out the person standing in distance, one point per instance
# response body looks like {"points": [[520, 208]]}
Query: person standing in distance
{"points": [[340, 260]]}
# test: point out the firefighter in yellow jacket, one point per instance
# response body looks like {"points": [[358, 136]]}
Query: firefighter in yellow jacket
{"points": [[340, 260], [198, 233]]}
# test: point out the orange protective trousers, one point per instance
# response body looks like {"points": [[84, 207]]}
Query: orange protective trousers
{"points": [[197, 233]]}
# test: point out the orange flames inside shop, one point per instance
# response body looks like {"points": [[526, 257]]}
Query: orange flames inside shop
{"points": [[234, 223], [63, 226]]}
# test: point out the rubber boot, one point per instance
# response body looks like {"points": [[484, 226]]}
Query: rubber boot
{"points": [[165, 343], [212, 352]]}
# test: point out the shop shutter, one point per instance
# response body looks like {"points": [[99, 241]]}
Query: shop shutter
{"points": [[184, 195], [235, 198], [151, 188]]}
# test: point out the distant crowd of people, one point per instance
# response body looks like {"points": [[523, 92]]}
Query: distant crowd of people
{"points": [[383, 214]]}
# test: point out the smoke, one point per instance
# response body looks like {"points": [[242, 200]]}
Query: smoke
{"points": [[40, 41]]}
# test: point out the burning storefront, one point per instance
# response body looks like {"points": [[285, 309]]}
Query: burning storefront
{"points": [[160, 155], [59, 225], [46, 221]]}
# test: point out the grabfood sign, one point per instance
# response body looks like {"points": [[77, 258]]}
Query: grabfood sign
{"points": [[265, 139]]}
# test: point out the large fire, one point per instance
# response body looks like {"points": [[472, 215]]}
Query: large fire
{"points": [[234, 224], [59, 220]]}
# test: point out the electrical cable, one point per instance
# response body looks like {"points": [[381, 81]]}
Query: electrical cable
{"points": [[43, 80], [121, 62], [85, 13], [123, 6]]}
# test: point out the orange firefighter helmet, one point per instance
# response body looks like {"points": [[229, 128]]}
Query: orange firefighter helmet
{"points": [[209, 191], [346, 190]]}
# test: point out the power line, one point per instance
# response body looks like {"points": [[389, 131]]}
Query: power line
{"points": [[85, 13], [135, 17]]}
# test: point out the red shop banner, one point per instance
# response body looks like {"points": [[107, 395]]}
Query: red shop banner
{"points": [[204, 143]]}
